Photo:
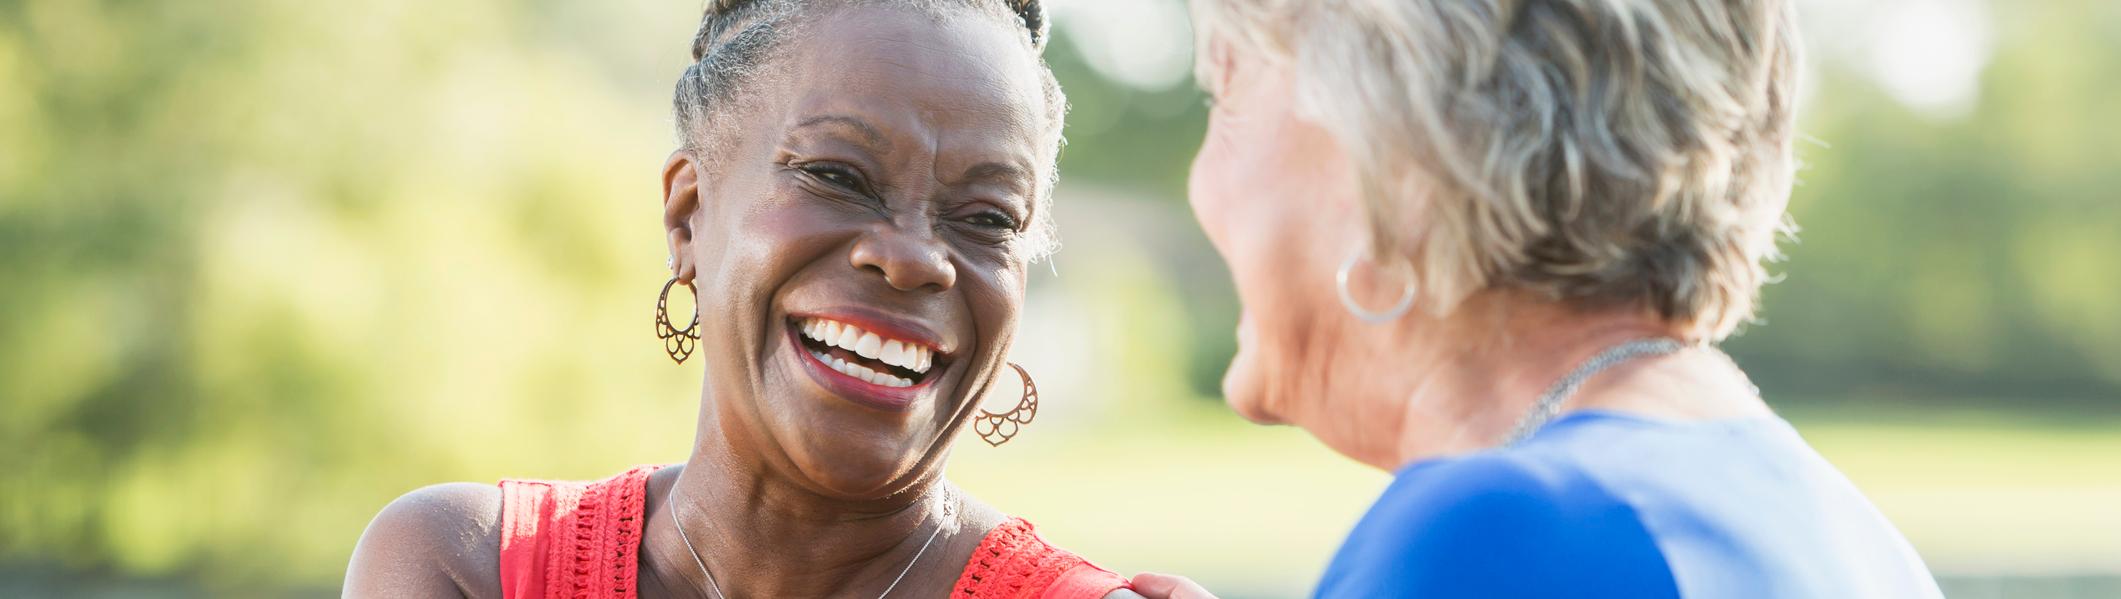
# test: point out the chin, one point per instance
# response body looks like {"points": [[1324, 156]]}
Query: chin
{"points": [[862, 427], [1244, 393], [859, 479], [849, 458], [1252, 411]]}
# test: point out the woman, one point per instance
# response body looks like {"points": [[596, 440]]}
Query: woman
{"points": [[857, 227], [1489, 245]]}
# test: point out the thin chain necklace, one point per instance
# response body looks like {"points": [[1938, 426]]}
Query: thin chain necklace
{"points": [[949, 508], [1549, 403]]}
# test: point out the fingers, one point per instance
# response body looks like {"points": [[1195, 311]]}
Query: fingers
{"points": [[1166, 586]]}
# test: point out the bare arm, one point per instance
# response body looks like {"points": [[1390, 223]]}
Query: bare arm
{"points": [[437, 541]]}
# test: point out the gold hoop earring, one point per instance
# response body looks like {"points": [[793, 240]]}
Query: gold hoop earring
{"points": [[998, 428], [676, 342]]}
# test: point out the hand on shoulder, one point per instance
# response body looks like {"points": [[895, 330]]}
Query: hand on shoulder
{"points": [[436, 541]]}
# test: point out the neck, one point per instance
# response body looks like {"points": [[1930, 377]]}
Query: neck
{"points": [[1463, 383], [741, 515]]}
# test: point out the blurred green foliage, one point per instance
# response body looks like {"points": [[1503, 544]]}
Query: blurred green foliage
{"points": [[266, 264], [1974, 257]]}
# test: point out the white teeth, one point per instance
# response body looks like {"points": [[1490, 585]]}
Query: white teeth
{"points": [[848, 335], [903, 354], [869, 346], [861, 372], [894, 353], [916, 356]]}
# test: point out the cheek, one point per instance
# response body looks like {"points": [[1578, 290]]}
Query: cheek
{"points": [[1205, 189], [1232, 189], [1256, 228], [749, 252], [983, 308], [995, 298], [1258, 197]]}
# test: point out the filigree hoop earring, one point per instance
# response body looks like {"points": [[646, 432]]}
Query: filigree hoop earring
{"points": [[998, 428], [1347, 298], [676, 342]]}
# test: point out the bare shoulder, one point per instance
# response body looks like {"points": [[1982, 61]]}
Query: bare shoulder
{"points": [[976, 516], [436, 541]]}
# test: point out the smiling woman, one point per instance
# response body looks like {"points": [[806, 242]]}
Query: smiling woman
{"points": [[857, 227]]}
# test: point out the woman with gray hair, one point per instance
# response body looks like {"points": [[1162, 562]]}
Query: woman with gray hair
{"points": [[1489, 246]]}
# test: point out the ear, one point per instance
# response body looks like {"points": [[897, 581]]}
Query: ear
{"points": [[681, 201]]}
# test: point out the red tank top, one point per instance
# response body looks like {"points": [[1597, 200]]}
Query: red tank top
{"points": [[575, 540]]}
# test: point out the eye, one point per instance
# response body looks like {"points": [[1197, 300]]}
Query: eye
{"points": [[993, 219], [835, 175]]}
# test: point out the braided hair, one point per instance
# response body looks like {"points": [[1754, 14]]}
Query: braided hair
{"points": [[737, 39]]}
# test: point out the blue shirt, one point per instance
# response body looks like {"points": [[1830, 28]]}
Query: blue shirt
{"points": [[1604, 504]]}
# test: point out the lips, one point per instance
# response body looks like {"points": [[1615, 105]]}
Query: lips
{"points": [[860, 353], [875, 360]]}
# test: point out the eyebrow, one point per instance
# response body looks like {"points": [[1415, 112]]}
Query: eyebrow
{"points": [[868, 133], [999, 172]]}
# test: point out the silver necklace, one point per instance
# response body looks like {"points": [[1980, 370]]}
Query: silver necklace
{"points": [[949, 508], [1549, 403]]}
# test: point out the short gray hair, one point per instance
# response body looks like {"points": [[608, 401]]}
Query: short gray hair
{"points": [[736, 41], [1595, 151]]}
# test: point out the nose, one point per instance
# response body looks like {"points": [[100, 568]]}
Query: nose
{"points": [[907, 261]]}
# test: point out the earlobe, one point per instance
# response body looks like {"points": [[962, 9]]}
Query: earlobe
{"points": [[681, 200]]}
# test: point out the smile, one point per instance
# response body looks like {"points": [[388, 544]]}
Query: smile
{"points": [[866, 355]]}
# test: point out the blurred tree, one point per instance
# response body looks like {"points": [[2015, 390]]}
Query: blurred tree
{"points": [[264, 265], [268, 264], [1971, 257]]}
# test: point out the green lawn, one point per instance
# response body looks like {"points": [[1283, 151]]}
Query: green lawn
{"points": [[1983, 493], [2001, 504]]}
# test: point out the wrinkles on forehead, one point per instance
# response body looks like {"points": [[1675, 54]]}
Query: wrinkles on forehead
{"points": [[987, 109], [939, 97]]}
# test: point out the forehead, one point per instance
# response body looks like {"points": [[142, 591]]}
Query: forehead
{"points": [[952, 74]]}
